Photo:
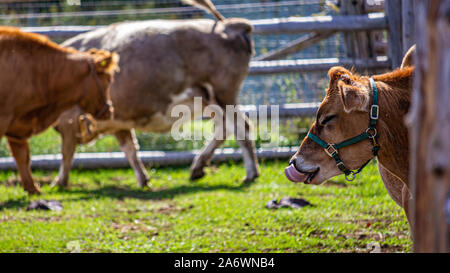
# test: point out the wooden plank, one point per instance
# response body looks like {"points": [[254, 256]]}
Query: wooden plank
{"points": [[380, 47], [349, 37], [288, 110], [60, 31], [358, 44], [293, 25], [429, 129], [408, 38], [295, 46], [374, 6], [309, 65], [394, 15]]}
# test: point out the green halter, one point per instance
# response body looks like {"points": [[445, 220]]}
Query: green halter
{"points": [[371, 132]]}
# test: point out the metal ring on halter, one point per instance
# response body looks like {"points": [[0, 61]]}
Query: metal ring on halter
{"points": [[351, 176], [374, 130]]}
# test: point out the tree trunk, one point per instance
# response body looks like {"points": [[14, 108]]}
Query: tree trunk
{"points": [[430, 129]]}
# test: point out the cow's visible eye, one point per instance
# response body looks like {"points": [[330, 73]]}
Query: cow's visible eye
{"points": [[328, 119]]}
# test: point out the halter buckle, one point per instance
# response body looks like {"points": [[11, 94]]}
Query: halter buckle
{"points": [[374, 112], [341, 166], [330, 150]]}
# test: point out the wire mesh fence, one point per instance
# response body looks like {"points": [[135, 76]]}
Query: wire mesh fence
{"points": [[44, 13], [257, 90]]}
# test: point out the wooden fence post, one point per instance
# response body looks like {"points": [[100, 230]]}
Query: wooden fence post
{"points": [[394, 16], [430, 129], [358, 44], [408, 25]]}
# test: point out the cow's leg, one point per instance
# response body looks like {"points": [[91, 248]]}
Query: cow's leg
{"points": [[397, 190], [393, 185], [247, 147], [203, 158], [68, 146], [69, 141], [406, 199], [205, 155], [129, 145], [21, 152], [242, 135]]}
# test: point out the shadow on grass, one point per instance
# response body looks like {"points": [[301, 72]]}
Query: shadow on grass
{"points": [[22, 202], [121, 192]]}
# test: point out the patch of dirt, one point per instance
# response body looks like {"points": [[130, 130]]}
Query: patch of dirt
{"points": [[47, 219], [117, 178], [159, 208], [361, 235], [391, 249], [374, 242], [369, 222], [131, 229], [29, 219], [5, 218], [171, 208], [376, 247], [135, 227]]}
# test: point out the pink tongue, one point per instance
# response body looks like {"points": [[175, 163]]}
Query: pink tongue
{"points": [[294, 175]]}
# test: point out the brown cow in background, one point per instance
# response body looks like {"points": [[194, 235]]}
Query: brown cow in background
{"points": [[165, 63], [38, 81]]}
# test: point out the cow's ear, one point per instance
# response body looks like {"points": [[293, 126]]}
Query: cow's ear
{"points": [[106, 62], [354, 98], [353, 95], [339, 73]]}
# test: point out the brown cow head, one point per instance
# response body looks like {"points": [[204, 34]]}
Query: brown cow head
{"points": [[343, 114], [96, 100]]}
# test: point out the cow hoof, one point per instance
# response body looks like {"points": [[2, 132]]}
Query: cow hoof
{"points": [[143, 183], [197, 174], [33, 191], [252, 178], [59, 183]]}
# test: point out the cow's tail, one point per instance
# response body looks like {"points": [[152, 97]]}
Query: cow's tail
{"points": [[207, 5]]}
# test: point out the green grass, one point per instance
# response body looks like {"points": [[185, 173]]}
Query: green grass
{"points": [[104, 211]]}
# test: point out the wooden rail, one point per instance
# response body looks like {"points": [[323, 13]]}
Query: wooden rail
{"points": [[288, 110], [309, 65], [291, 25], [297, 45], [60, 31]]}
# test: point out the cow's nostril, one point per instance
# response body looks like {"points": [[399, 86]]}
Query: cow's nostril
{"points": [[292, 162]]}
